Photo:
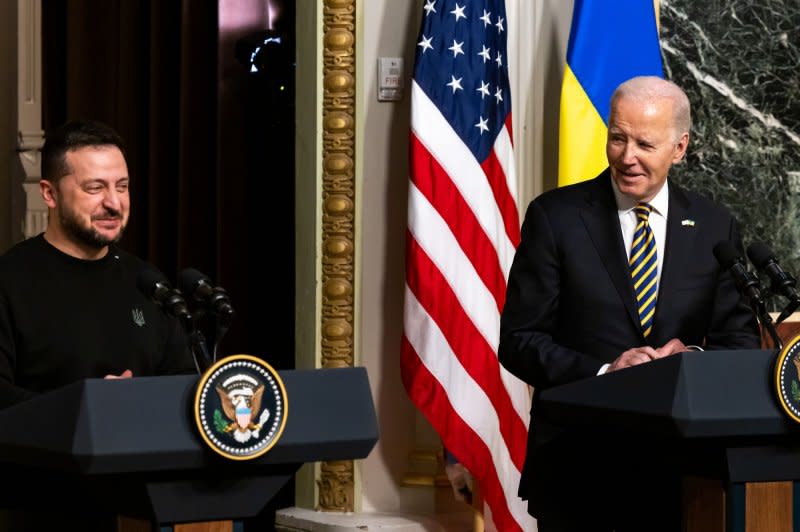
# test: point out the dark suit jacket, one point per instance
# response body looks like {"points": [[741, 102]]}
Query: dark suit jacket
{"points": [[570, 301]]}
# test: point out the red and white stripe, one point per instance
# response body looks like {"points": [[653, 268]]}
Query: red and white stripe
{"points": [[463, 229]]}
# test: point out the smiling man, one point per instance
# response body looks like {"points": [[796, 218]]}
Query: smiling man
{"points": [[69, 305], [648, 132], [612, 273], [86, 192]]}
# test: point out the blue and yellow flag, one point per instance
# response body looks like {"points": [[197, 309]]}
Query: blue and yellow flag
{"points": [[610, 41]]}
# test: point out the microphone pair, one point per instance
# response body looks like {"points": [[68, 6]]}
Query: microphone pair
{"points": [[782, 282], [207, 299], [192, 284]]}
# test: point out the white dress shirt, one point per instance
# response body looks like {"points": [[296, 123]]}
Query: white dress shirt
{"points": [[628, 222], [657, 220]]}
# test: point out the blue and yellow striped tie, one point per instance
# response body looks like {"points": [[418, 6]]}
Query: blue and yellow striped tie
{"points": [[644, 266]]}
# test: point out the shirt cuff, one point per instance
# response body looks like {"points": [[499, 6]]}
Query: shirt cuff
{"points": [[694, 348], [604, 368]]}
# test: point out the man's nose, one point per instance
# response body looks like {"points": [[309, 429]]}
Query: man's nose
{"points": [[112, 200], [630, 154]]}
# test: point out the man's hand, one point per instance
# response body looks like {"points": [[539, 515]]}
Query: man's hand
{"points": [[460, 481], [634, 357], [640, 355], [671, 347], [127, 374]]}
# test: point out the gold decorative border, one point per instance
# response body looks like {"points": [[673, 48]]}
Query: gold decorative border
{"points": [[783, 382], [336, 483]]}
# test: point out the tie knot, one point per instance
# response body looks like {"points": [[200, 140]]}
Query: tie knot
{"points": [[643, 211]]}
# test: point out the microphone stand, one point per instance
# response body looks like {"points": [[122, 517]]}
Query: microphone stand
{"points": [[224, 320], [197, 344], [760, 310]]}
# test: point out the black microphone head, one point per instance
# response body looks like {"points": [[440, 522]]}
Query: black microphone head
{"points": [[189, 278], [760, 254], [726, 253], [148, 281]]}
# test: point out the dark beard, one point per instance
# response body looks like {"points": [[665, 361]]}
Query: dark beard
{"points": [[87, 235]]}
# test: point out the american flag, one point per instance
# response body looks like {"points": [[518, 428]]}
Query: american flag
{"points": [[463, 229]]}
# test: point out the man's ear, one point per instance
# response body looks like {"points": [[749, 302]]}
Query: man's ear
{"points": [[680, 148], [49, 193]]}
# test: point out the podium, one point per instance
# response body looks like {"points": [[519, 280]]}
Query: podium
{"points": [[720, 410], [131, 446]]}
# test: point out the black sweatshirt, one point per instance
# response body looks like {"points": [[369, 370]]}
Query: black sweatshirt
{"points": [[63, 319]]}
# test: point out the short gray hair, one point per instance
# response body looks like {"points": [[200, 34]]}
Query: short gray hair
{"points": [[649, 88]]}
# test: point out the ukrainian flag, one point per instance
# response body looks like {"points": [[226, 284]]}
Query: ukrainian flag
{"points": [[610, 41]]}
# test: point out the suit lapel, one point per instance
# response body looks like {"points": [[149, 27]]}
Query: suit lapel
{"points": [[602, 223], [678, 245]]}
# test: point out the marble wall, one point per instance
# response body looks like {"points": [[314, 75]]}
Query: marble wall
{"points": [[739, 62]]}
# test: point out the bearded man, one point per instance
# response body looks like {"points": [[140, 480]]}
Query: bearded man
{"points": [[69, 304]]}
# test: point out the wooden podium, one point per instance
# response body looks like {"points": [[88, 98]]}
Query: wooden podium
{"points": [[737, 448], [130, 447]]}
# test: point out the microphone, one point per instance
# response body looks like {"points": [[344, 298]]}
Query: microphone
{"points": [[155, 286], [782, 282], [199, 287], [728, 257]]}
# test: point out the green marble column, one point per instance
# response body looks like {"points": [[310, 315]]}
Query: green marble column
{"points": [[739, 62]]}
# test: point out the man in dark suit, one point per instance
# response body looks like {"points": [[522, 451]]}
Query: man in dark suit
{"points": [[611, 273]]}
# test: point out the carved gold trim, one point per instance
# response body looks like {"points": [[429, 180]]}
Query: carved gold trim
{"points": [[426, 469], [336, 483]]}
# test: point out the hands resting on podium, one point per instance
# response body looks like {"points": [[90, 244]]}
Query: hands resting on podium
{"points": [[640, 355], [127, 374]]}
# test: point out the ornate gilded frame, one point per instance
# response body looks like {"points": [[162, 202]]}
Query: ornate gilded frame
{"points": [[336, 482]]}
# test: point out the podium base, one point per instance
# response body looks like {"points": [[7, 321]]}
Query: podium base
{"points": [[303, 520], [129, 524], [712, 506]]}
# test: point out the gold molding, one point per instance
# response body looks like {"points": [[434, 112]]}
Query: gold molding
{"points": [[336, 483]]}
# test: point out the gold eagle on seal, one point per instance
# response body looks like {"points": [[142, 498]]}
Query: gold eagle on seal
{"points": [[242, 407]]}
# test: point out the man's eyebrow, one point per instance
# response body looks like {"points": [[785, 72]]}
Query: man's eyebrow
{"points": [[104, 179]]}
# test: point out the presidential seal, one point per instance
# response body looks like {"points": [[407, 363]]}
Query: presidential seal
{"points": [[240, 407], [787, 378]]}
